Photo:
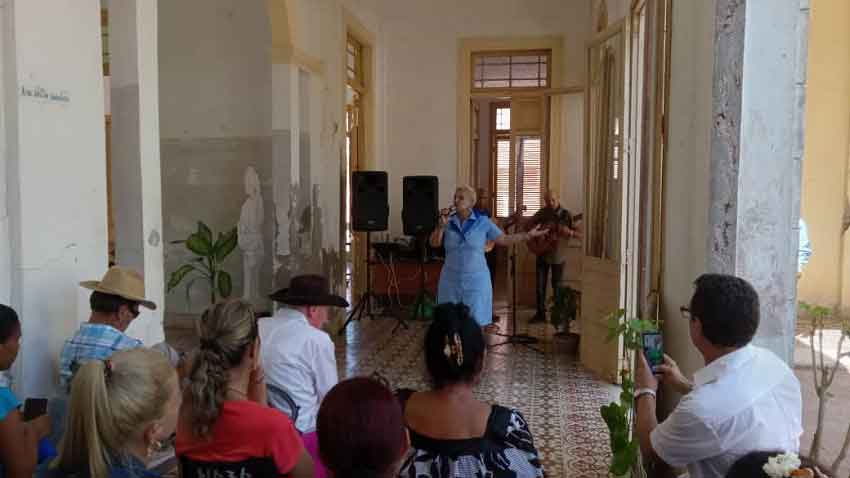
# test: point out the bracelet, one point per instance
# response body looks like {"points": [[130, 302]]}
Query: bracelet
{"points": [[644, 391]]}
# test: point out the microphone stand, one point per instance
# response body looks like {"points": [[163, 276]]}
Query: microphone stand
{"points": [[514, 338]]}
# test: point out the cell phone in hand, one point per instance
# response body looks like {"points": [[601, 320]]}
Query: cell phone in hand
{"points": [[34, 408], [653, 350]]}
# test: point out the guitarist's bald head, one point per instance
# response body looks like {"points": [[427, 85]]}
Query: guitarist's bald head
{"points": [[551, 198]]}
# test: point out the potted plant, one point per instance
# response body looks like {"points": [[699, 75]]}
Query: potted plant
{"points": [[207, 263], [564, 310]]}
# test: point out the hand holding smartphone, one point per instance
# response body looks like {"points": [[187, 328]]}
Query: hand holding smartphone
{"points": [[653, 350]]}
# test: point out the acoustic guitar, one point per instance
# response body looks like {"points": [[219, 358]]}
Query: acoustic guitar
{"points": [[542, 245]]}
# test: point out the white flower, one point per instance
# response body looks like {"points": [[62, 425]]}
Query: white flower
{"points": [[781, 466]]}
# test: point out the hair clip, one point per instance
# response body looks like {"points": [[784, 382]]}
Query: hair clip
{"points": [[453, 349]]}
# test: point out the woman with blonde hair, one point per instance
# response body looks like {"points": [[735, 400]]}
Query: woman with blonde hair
{"points": [[465, 277], [225, 424], [119, 411]]}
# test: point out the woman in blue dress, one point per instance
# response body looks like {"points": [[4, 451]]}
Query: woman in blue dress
{"points": [[464, 234]]}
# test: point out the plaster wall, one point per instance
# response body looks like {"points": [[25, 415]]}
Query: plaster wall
{"points": [[215, 110], [56, 175], [686, 195], [827, 144], [418, 75]]}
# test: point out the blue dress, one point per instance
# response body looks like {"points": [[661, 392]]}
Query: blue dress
{"points": [[465, 277]]}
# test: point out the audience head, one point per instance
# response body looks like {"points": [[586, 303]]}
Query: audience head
{"points": [[483, 198], [118, 407], [724, 312], [311, 295], [752, 465], [454, 346], [10, 336], [551, 199], [465, 198], [361, 430], [229, 342], [117, 297]]}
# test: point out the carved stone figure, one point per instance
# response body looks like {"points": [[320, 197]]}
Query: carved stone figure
{"points": [[251, 237]]}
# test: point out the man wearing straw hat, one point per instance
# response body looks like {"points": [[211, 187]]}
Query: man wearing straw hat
{"points": [[114, 302]]}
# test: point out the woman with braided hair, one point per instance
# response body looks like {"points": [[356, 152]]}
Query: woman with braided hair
{"points": [[453, 434], [225, 424]]}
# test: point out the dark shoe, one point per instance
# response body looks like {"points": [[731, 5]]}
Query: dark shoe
{"points": [[537, 319]]}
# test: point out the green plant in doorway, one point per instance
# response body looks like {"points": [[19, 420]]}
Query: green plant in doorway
{"points": [[208, 262], [619, 416], [564, 307]]}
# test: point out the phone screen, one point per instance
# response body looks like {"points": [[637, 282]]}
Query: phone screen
{"points": [[653, 350], [34, 408]]}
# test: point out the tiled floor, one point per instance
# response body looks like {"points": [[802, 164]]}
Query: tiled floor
{"points": [[559, 399]]}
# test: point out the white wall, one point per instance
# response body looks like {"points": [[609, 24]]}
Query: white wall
{"points": [[418, 74], [686, 194], [215, 121], [57, 175]]}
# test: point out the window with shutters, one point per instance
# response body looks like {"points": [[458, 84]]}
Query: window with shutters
{"points": [[517, 178]]}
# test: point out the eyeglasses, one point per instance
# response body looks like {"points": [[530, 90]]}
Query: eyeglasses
{"points": [[686, 312]]}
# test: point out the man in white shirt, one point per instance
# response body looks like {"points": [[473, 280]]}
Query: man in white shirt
{"points": [[744, 399], [297, 355]]}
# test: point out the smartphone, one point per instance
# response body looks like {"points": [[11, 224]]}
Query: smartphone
{"points": [[34, 408], [653, 350]]}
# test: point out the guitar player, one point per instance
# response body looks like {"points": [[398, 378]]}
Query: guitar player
{"points": [[553, 253]]}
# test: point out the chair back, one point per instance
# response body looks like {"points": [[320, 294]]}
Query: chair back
{"points": [[281, 400]]}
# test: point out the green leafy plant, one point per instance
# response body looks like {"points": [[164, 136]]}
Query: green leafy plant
{"points": [[564, 307], [824, 374], [207, 263], [619, 416]]}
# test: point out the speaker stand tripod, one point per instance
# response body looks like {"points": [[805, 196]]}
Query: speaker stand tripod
{"points": [[514, 338], [364, 304]]}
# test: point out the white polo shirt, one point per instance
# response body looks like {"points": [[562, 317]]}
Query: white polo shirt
{"points": [[745, 401], [298, 358]]}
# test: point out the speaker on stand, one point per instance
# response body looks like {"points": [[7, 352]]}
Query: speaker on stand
{"points": [[419, 218], [370, 212]]}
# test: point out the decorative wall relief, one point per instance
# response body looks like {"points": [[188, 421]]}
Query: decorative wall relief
{"points": [[251, 237]]}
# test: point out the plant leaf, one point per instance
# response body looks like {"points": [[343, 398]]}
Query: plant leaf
{"points": [[178, 275], [225, 245], [225, 284], [199, 244], [205, 231]]}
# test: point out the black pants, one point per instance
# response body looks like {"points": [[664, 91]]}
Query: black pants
{"points": [[491, 264], [543, 268]]}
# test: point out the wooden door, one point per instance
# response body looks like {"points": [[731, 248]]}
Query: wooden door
{"points": [[605, 203]]}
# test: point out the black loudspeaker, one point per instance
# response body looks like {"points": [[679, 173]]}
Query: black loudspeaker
{"points": [[370, 210], [420, 210]]}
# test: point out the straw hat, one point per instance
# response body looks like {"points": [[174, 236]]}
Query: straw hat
{"points": [[123, 282]]}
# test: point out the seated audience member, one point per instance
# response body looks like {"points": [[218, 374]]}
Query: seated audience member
{"points": [[773, 464], [744, 399], [298, 355], [19, 440], [225, 425], [119, 411], [361, 430], [452, 433], [114, 305]]}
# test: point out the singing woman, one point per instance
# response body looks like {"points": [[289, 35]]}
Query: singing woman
{"points": [[465, 277]]}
